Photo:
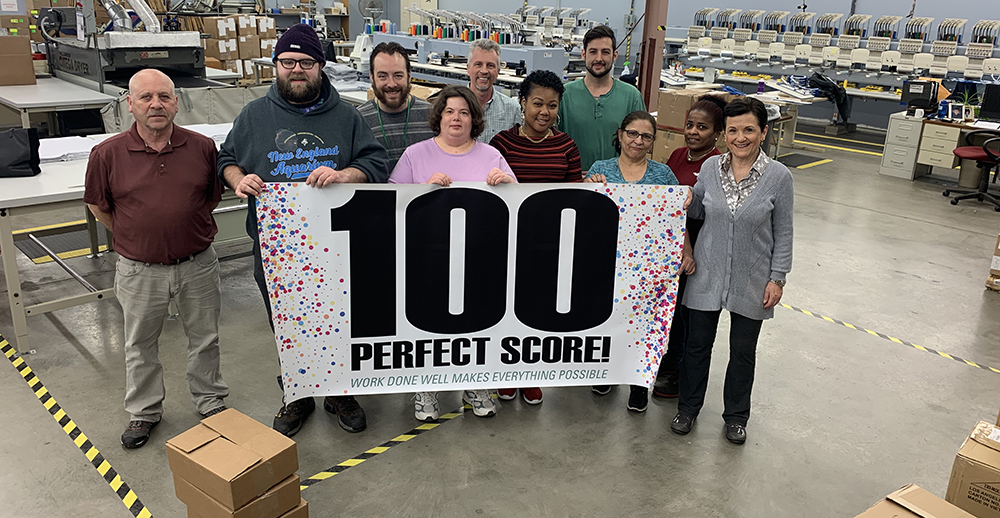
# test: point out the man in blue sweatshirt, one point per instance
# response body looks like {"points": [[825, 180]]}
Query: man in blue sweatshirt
{"points": [[301, 111]]}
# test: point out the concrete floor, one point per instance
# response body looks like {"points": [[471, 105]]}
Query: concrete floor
{"points": [[840, 418]]}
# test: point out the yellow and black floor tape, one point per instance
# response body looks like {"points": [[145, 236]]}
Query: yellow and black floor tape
{"points": [[121, 489], [382, 448], [892, 339]]}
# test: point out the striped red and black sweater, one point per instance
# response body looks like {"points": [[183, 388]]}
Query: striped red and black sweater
{"points": [[555, 159]]}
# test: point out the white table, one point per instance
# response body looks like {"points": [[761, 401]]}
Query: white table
{"points": [[216, 74], [60, 185], [50, 95]]}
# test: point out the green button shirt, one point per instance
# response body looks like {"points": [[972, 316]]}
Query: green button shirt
{"points": [[592, 123]]}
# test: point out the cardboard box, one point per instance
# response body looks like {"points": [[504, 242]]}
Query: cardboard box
{"points": [[232, 458], [913, 502], [995, 263], [19, 22], [993, 283], [234, 65], [249, 47], [672, 106], [975, 477], [222, 50], [15, 61], [267, 47], [302, 511], [220, 27], [266, 27], [213, 63], [275, 502], [665, 144], [35, 34], [63, 3], [246, 25], [35, 6], [249, 70]]}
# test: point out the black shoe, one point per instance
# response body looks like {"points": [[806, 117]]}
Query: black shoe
{"points": [[682, 424], [352, 416], [736, 433], [289, 419], [601, 390], [137, 433], [214, 411], [638, 398], [668, 388]]}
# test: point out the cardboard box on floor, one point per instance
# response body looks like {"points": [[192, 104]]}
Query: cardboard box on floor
{"points": [[913, 502], [975, 476], [275, 502], [232, 458], [302, 511], [672, 106], [993, 280], [15, 61]]}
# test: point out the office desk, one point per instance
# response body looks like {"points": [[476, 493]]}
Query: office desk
{"points": [[913, 146], [50, 95]]}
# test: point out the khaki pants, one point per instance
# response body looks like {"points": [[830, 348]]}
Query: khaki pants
{"points": [[144, 291]]}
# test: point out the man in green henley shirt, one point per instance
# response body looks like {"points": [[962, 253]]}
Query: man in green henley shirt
{"points": [[592, 109]]}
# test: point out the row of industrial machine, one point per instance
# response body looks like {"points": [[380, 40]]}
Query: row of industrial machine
{"points": [[886, 45]]}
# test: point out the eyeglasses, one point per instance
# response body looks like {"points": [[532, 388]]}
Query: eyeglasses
{"points": [[288, 63], [646, 137]]}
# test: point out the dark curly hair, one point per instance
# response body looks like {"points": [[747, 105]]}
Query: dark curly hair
{"points": [[713, 106], [542, 78], [629, 119], [441, 101]]}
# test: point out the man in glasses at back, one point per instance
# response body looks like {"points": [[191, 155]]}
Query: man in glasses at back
{"points": [[300, 132]]}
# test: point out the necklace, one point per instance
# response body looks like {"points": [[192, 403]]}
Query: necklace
{"points": [[548, 134], [406, 125], [692, 159]]}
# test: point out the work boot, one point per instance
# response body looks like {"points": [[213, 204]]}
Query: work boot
{"points": [[290, 417], [350, 414]]}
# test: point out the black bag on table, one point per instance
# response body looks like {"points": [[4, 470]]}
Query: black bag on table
{"points": [[19, 153]]}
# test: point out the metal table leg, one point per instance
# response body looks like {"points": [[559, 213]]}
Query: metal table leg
{"points": [[9, 255]]}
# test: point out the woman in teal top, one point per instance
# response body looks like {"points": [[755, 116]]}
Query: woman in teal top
{"points": [[633, 141]]}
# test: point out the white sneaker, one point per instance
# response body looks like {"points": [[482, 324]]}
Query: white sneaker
{"points": [[425, 406], [481, 401]]}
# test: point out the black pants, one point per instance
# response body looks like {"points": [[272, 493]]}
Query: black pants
{"points": [[258, 275], [694, 367], [679, 325]]}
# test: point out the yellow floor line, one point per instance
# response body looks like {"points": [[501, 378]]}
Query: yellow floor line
{"points": [[820, 162], [838, 148], [876, 144]]}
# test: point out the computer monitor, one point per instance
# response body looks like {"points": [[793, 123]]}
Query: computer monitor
{"points": [[990, 108], [920, 94]]}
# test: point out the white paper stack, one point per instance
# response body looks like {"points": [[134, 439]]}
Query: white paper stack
{"points": [[64, 149]]}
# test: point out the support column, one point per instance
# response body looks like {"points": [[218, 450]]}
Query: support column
{"points": [[651, 57]]}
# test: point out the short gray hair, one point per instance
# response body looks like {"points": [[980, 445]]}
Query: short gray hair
{"points": [[485, 44]]}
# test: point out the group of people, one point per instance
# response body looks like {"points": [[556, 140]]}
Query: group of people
{"points": [[156, 184]]}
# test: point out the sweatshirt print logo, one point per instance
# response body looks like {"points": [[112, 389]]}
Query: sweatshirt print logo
{"points": [[298, 154]]}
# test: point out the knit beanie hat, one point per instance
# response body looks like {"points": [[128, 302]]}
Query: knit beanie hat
{"points": [[300, 38]]}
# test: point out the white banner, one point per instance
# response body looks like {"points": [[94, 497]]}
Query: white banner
{"points": [[403, 288]]}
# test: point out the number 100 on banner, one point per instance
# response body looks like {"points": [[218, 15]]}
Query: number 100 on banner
{"points": [[403, 288]]}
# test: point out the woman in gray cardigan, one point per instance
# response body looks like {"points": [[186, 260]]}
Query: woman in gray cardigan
{"points": [[741, 257]]}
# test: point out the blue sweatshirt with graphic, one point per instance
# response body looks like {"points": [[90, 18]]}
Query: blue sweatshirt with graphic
{"points": [[276, 141]]}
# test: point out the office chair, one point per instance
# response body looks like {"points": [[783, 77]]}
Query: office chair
{"points": [[986, 160]]}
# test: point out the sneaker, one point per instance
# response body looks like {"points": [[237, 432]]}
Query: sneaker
{"points": [[736, 433], [507, 394], [682, 424], [601, 390], [137, 433], [289, 419], [668, 388], [216, 410], [638, 398], [481, 402], [351, 416], [425, 406], [531, 396]]}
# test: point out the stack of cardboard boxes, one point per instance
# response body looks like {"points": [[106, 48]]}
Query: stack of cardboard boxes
{"points": [[237, 39], [672, 107], [15, 61], [231, 466], [16, 25], [993, 280]]}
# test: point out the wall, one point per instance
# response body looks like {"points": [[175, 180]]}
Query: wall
{"points": [[681, 14]]}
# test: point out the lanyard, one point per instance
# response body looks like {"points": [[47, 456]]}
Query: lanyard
{"points": [[406, 125]]}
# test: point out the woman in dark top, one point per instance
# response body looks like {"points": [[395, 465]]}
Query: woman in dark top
{"points": [[704, 124], [535, 150]]}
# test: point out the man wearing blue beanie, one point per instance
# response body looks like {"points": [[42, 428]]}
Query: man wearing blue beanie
{"points": [[301, 111]]}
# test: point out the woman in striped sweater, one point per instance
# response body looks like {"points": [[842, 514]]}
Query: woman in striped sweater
{"points": [[537, 152]]}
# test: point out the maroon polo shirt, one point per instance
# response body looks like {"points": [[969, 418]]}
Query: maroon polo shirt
{"points": [[160, 201]]}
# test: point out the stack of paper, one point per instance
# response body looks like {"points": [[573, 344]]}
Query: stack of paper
{"points": [[64, 149]]}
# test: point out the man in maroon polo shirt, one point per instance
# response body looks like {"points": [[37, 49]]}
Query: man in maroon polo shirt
{"points": [[155, 187]]}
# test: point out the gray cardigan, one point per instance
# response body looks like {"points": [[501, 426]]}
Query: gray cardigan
{"points": [[736, 255]]}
